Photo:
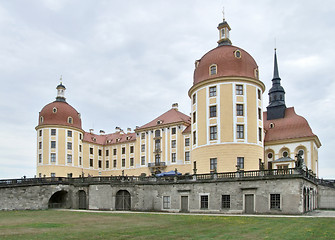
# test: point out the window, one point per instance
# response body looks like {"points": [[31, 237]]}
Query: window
{"points": [[239, 89], [157, 133], [143, 148], [212, 111], [114, 151], [91, 150], [54, 110], [53, 132], [131, 149], [131, 162], [173, 143], [107, 152], [166, 202], [213, 164], [259, 113], [69, 158], [187, 142], [270, 155], [123, 162], [157, 145], [194, 98], [107, 164], [80, 148], [40, 145], [143, 160], [173, 157], [222, 33], [40, 158], [212, 70], [80, 163], [194, 137], [114, 163], [204, 201], [187, 156], [240, 162], [123, 150], [240, 131], [213, 132], [259, 94], [285, 154], [91, 162], [237, 54], [194, 117], [69, 133], [100, 164], [53, 144], [260, 134], [69, 120], [173, 130], [143, 135], [41, 119], [274, 201], [80, 136], [239, 110], [40, 133], [225, 201], [52, 157], [52, 174], [212, 91], [69, 146], [157, 158]]}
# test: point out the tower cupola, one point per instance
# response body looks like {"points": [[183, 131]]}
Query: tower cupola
{"points": [[224, 29], [277, 106], [61, 93]]}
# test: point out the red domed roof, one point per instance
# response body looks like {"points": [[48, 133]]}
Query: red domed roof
{"points": [[58, 113], [228, 64]]}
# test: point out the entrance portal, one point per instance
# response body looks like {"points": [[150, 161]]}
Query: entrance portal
{"points": [[249, 203], [58, 200], [82, 199], [184, 204], [122, 200]]}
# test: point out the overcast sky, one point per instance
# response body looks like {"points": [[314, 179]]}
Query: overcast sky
{"points": [[125, 62]]}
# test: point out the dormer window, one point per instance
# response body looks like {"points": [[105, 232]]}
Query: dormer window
{"points": [[41, 119], [54, 110], [159, 122], [237, 54], [70, 120], [213, 69]]}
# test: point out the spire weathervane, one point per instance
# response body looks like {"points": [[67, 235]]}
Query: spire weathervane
{"points": [[223, 13]]}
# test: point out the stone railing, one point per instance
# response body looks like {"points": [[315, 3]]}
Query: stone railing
{"points": [[239, 175]]}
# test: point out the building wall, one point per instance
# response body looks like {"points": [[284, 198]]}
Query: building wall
{"points": [[227, 146]]}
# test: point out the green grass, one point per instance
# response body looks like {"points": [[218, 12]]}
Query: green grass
{"points": [[85, 225]]}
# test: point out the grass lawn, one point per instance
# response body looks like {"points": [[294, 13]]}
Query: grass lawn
{"points": [[51, 224]]}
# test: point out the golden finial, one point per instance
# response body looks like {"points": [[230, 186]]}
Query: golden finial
{"points": [[223, 13]]}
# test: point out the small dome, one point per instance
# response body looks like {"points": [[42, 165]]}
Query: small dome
{"points": [[230, 61], [59, 113]]}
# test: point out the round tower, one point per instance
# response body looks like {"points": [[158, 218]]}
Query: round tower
{"points": [[59, 139], [226, 103]]}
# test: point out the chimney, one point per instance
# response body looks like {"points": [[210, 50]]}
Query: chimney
{"points": [[175, 106], [117, 129], [91, 131], [102, 132], [128, 130]]}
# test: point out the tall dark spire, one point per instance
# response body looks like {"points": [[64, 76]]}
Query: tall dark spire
{"points": [[277, 107]]}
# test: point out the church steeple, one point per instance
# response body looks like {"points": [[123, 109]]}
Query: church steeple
{"points": [[224, 29], [277, 107]]}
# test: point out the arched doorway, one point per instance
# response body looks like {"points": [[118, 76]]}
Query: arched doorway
{"points": [[58, 199], [122, 200], [82, 199]]}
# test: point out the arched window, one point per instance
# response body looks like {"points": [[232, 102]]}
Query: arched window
{"points": [[157, 133], [41, 119], [213, 69], [285, 152], [70, 120], [54, 110]]}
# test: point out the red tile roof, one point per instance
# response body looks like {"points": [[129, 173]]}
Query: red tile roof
{"points": [[57, 113], [109, 139], [187, 129], [227, 64], [171, 116], [290, 127]]}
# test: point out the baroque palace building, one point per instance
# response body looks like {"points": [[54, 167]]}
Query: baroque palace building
{"points": [[226, 132]]}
